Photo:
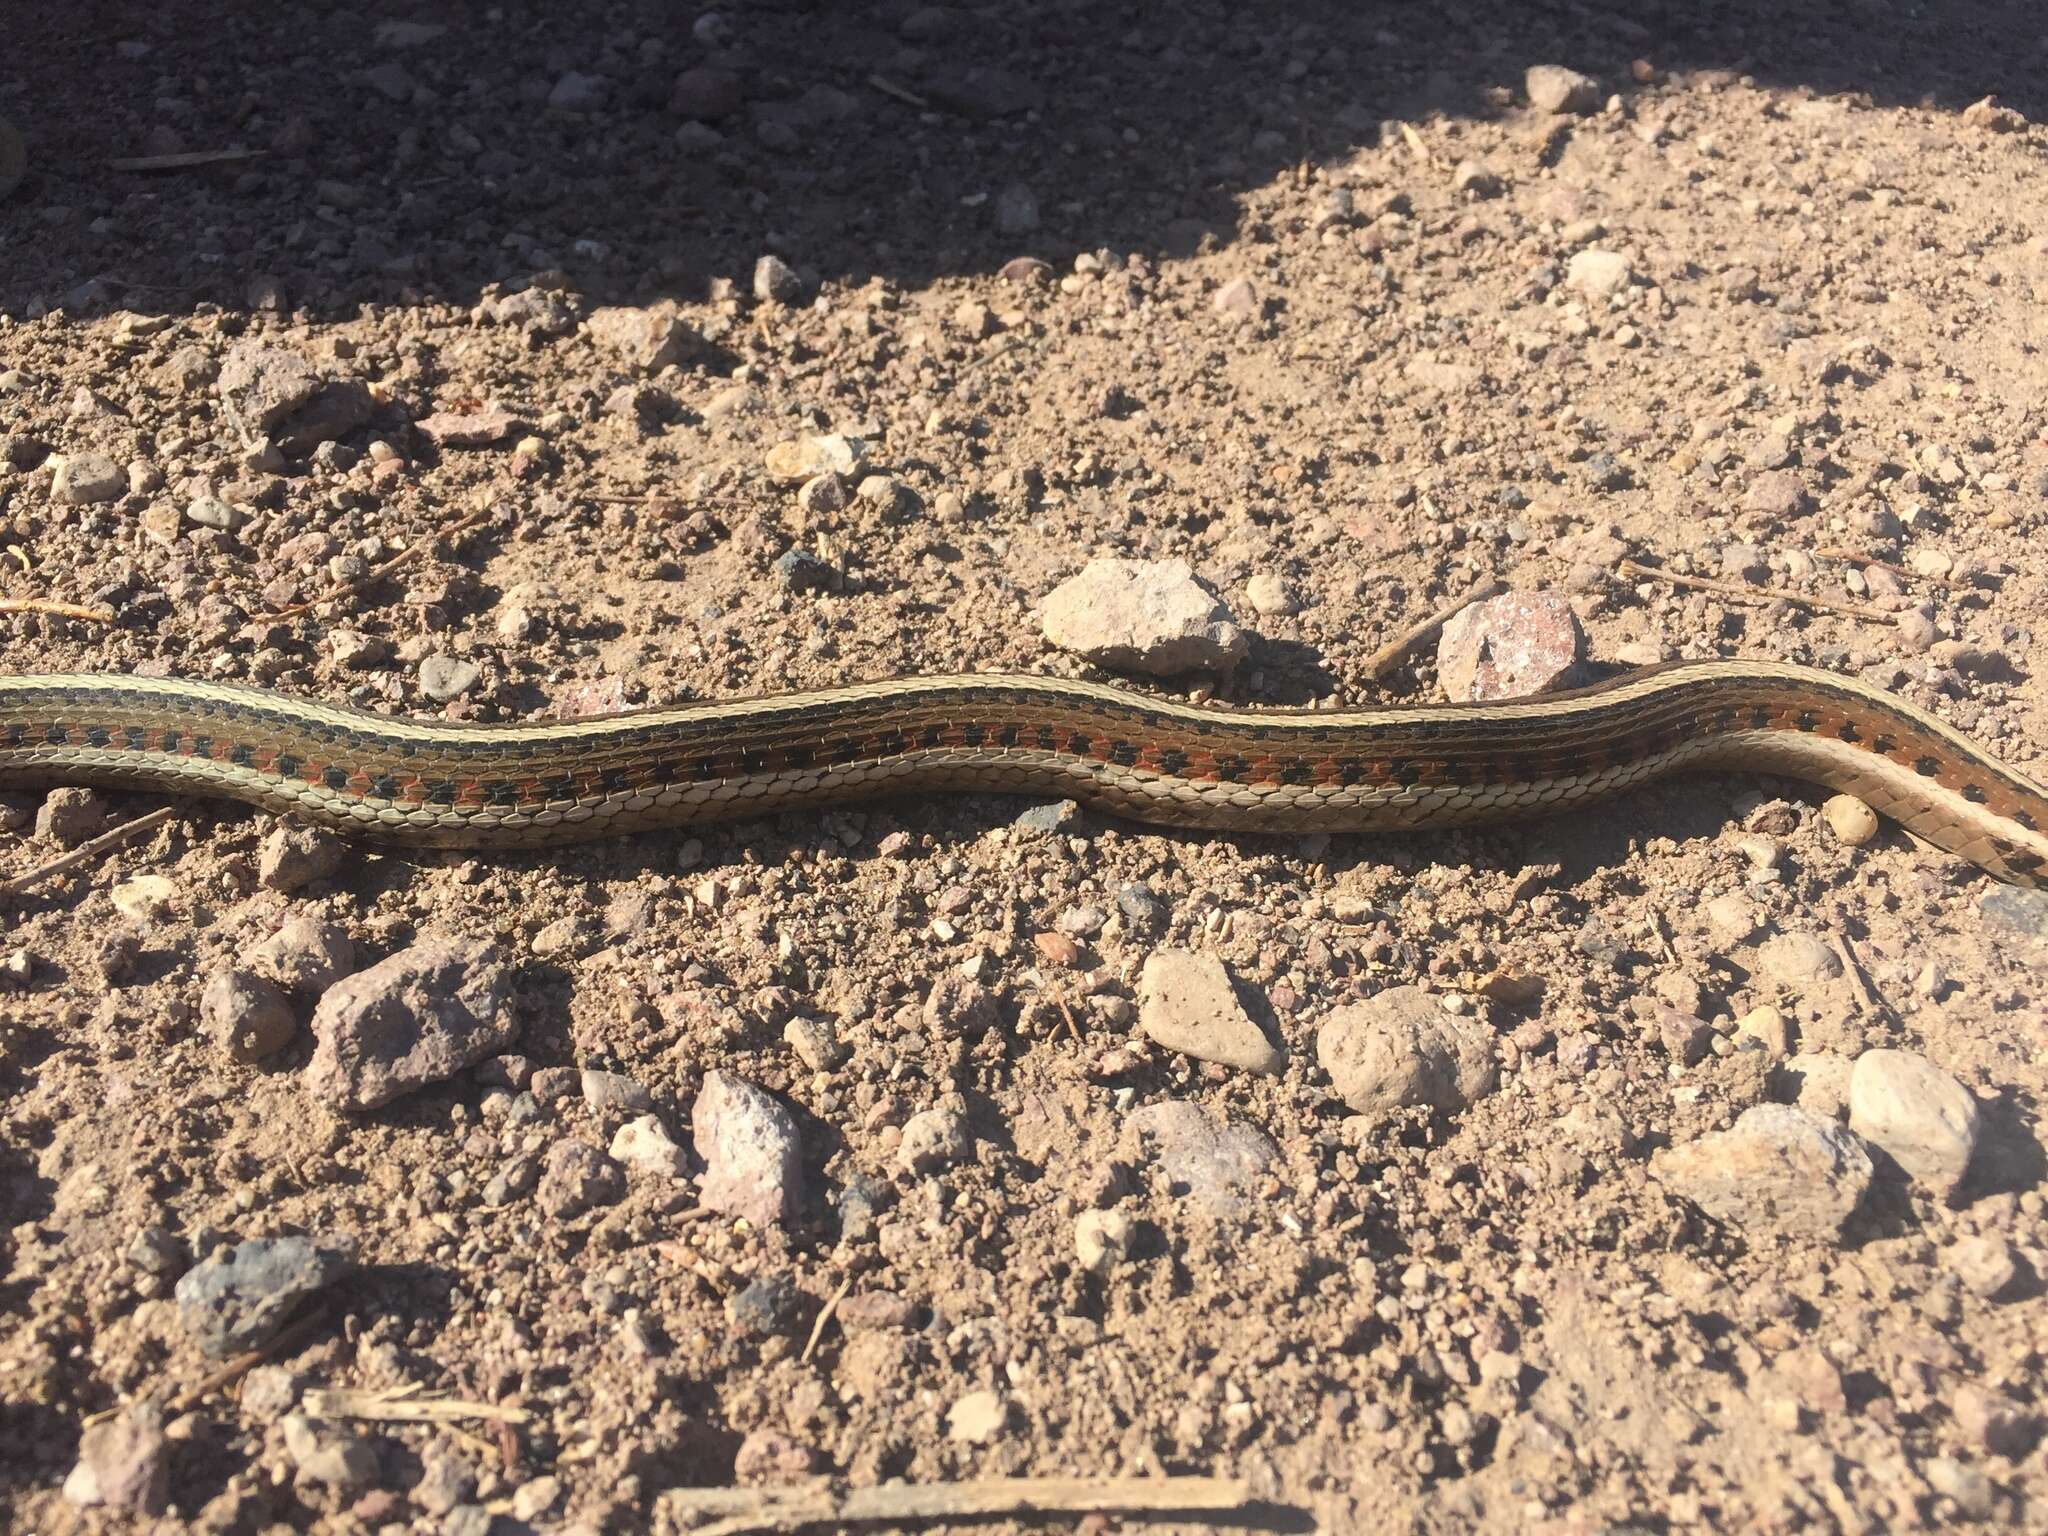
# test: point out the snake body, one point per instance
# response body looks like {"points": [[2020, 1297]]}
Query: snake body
{"points": [[444, 784]]}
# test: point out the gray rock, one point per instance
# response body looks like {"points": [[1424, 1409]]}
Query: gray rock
{"points": [[274, 393], [1510, 646], [306, 956], [2016, 910], [577, 92], [71, 815], [645, 1146], [1598, 274], [1798, 960], [798, 570], [328, 1453], [1918, 1115], [1559, 91], [241, 1296], [123, 1464], [645, 339], [1237, 299], [1187, 1003], [576, 1177], [1016, 209], [84, 478], [1778, 1171], [776, 282], [293, 857], [1218, 1164], [246, 1015], [748, 1144], [1399, 1048], [448, 677], [614, 1093], [934, 1139], [420, 1016], [1149, 616], [1052, 816]]}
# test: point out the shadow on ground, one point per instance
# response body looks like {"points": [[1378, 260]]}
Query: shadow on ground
{"points": [[399, 162]]}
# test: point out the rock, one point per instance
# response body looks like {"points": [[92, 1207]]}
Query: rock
{"points": [[1187, 1003], [1988, 115], [1476, 178], [1922, 1118], [769, 1456], [306, 956], [822, 495], [748, 1144], [1778, 1171], [1731, 917], [1016, 210], [960, 1009], [1027, 271], [1559, 91], [328, 1453], [1853, 822], [2016, 910], [1269, 596], [1219, 1165], [1971, 1490], [1399, 1048], [776, 282], [1985, 1264], [645, 1146], [576, 1177], [707, 95], [1149, 616], [798, 570], [82, 479], [614, 1093], [1778, 496], [1598, 274], [294, 856], [1798, 960], [576, 92], [1237, 299], [448, 677], [1817, 1081], [1103, 1239], [239, 1298], [478, 428], [765, 1306], [123, 1464], [1769, 1028], [934, 1139], [420, 1016], [976, 1418], [645, 339], [246, 1015], [274, 393], [1992, 1421], [70, 815], [832, 453], [1509, 647]]}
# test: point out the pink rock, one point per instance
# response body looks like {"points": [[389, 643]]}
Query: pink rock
{"points": [[1510, 646], [748, 1144], [121, 1464], [420, 1016], [469, 429]]}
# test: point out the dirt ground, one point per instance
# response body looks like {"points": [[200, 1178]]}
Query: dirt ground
{"points": [[1813, 342]]}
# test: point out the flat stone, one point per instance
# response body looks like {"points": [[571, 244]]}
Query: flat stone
{"points": [[575, 1177], [1146, 616], [801, 459], [1779, 1171], [276, 393], [84, 478], [934, 1139], [1218, 1164], [329, 1453], [123, 1464], [1598, 274], [645, 338], [1559, 91], [1400, 1048], [294, 857], [645, 1146], [239, 1298], [1917, 1114], [479, 428], [976, 1418], [246, 1015], [306, 956], [416, 1018], [748, 1144], [1186, 1003], [448, 677], [1798, 960], [1511, 646]]}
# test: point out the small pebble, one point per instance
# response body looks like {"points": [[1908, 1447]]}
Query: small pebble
{"points": [[1853, 822]]}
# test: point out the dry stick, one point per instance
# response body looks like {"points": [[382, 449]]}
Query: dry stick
{"points": [[1756, 595], [290, 1338], [1388, 656], [85, 853], [400, 1407], [824, 1317], [1833, 552], [379, 571], [786, 1509], [57, 609], [182, 161], [1012, 345], [889, 87]]}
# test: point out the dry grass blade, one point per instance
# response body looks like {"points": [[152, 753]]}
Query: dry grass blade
{"points": [[1737, 592], [56, 609], [403, 1405], [1390, 655], [731, 1511]]}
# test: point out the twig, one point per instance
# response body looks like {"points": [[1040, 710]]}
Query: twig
{"points": [[1756, 595], [380, 570], [400, 1406], [85, 853], [1073, 1029], [791, 1507], [824, 1317], [1012, 345], [1858, 978], [59, 610], [1389, 656], [889, 87], [290, 1337], [182, 161], [1832, 552]]}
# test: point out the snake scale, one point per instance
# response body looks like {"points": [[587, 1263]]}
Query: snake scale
{"points": [[442, 784]]}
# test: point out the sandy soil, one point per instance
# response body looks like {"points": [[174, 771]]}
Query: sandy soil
{"points": [[1816, 329]]}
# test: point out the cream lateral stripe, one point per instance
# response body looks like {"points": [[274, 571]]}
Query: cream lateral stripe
{"points": [[179, 692]]}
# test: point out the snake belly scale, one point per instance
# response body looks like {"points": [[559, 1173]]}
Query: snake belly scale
{"points": [[442, 784]]}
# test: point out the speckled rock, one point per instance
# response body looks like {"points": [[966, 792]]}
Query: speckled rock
{"points": [[748, 1144], [1777, 1171], [1146, 616], [420, 1016], [1400, 1048], [1510, 646], [242, 1295], [1186, 1003]]}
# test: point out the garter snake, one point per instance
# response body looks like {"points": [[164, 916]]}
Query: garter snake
{"points": [[442, 784]]}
